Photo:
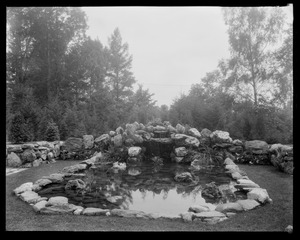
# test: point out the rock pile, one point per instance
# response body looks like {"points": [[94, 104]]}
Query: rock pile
{"points": [[32, 154]]}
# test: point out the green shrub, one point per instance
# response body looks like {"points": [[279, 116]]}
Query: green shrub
{"points": [[18, 131], [52, 132]]}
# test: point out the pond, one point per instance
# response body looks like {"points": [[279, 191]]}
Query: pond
{"points": [[147, 187]]}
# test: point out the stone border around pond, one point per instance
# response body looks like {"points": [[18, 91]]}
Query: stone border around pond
{"points": [[207, 213]]}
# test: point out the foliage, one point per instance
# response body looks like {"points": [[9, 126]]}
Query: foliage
{"points": [[18, 132], [52, 132]]}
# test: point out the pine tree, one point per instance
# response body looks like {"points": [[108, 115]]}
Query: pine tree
{"points": [[17, 133], [52, 132]]}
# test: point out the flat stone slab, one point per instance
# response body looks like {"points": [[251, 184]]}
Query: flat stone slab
{"points": [[56, 201], [248, 204], [94, 211], [229, 207], [55, 177], [58, 209], [128, 213], [199, 208], [259, 194], [209, 214], [30, 197], [39, 205], [23, 188]]}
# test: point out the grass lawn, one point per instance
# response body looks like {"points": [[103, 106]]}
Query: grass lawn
{"points": [[271, 217]]}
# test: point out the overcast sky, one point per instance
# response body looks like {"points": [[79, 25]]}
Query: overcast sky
{"points": [[172, 47]]}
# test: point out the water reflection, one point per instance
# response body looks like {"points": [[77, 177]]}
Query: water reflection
{"points": [[150, 190]]}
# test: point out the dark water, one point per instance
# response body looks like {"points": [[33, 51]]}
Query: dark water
{"points": [[146, 187]]}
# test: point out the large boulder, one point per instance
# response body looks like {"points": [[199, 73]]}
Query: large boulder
{"points": [[13, 160], [88, 141], [74, 144], [220, 137], [248, 204], [259, 194], [134, 151], [118, 140], [205, 133], [104, 138], [180, 128], [194, 132], [257, 146], [211, 191], [56, 201], [180, 151], [23, 188], [28, 156]]}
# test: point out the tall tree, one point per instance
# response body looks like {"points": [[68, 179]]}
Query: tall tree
{"points": [[120, 76], [252, 30]]}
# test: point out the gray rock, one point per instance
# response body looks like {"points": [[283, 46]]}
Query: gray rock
{"points": [[55, 177], [94, 211], [13, 160], [23, 188], [28, 156], [134, 151], [205, 133], [37, 162], [88, 141], [112, 133], [199, 208], [229, 207], [74, 168], [209, 214], [228, 161], [39, 205], [75, 184], [58, 209], [192, 141], [29, 146], [248, 204], [289, 229], [30, 197], [74, 144], [14, 148], [183, 177], [103, 138], [180, 151], [257, 146], [40, 183], [259, 194], [180, 128], [194, 132], [134, 171], [220, 137], [187, 216], [171, 129], [119, 130], [118, 140], [114, 199], [128, 213], [57, 201], [237, 142]]}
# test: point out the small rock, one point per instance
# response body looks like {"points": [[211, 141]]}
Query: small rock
{"points": [[118, 140], [209, 214], [180, 151], [180, 128], [205, 133], [289, 229], [183, 177], [39, 205], [187, 216], [228, 161], [134, 151], [88, 141], [75, 184]]}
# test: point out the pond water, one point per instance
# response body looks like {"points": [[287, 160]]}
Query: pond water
{"points": [[146, 187]]}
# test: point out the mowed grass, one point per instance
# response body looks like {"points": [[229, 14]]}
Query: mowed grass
{"points": [[271, 217]]}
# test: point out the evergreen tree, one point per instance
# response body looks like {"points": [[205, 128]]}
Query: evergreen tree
{"points": [[18, 129], [52, 132]]}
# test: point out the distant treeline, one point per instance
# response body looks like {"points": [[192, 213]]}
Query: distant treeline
{"points": [[62, 83]]}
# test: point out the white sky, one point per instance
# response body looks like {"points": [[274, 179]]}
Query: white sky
{"points": [[172, 47]]}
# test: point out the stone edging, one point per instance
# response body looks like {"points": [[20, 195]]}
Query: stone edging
{"points": [[256, 196]]}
